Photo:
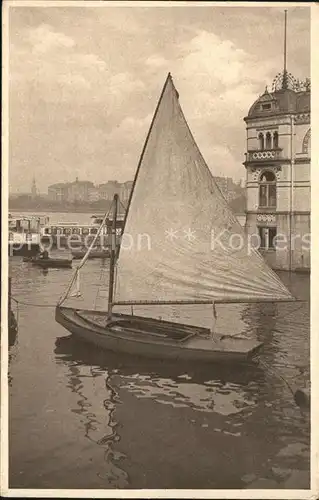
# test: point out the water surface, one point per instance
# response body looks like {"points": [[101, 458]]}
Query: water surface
{"points": [[81, 418]]}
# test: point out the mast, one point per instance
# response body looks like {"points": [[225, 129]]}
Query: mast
{"points": [[113, 258], [284, 75]]}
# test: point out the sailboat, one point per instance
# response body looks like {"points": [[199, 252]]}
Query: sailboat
{"points": [[183, 250]]}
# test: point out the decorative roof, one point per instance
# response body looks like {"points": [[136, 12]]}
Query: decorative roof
{"points": [[281, 101]]}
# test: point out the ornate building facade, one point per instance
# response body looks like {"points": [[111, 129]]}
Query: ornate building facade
{"points": [[278, 173]]}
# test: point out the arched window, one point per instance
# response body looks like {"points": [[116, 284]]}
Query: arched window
{"points": [[306, 143], [267, 190], [275, 144], [261, 141], [268, 140]]}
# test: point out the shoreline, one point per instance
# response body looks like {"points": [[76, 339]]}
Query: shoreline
{"points": [[58, 210]]}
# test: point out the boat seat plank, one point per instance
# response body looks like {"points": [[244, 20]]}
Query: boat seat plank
{"points": [[138, 327]]}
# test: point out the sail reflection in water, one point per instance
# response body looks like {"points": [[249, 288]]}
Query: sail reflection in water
{"points": [[223, 398], [178, 386]]}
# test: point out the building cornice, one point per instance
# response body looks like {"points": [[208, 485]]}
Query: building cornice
{"points": [[266, 163], [299, 161], [279, 212], [299, 118]]}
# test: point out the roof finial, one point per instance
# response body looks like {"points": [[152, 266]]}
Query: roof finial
{"points": [[285, 75]]}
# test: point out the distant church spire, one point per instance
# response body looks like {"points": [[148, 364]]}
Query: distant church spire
{"points": [[285, 74], [33, 188]]}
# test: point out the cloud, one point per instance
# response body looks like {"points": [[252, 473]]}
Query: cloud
{"points": [[217, 83], [130, 127], [124, 82], [55, 69], [156, 61], [58, 71], [215, 65], [132, 132], [221, 161], [213, 59], [44, 38], [84, 83], [73, 81]]}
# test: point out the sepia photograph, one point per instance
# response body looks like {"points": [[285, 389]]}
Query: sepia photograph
{"points": [[156, 250]]}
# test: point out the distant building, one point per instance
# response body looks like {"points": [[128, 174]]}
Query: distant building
{"points": [[79, 191], [229, 188], [86, 192], [58, 192], [14, 196], [109, 189], [94, 194], [125, 191]]}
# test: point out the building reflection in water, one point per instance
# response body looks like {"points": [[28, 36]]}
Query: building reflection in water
{"points": [[284, 330]]}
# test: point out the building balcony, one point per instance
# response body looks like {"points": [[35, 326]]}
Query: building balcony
{"points": [[264, 155]]}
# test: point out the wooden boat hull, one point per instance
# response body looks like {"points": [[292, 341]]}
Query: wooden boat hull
{"points": [[140, 339], [94, 254], [49, 263]]}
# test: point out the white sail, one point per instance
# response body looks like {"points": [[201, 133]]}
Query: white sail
{"points": [[181, 241]]}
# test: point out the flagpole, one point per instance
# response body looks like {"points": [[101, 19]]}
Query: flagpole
{"points": [[212, 330]]}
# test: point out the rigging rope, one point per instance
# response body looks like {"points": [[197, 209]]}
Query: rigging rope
{"points": [[83, 261]]}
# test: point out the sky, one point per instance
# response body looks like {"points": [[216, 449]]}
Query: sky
{"points": [[84, 83]]}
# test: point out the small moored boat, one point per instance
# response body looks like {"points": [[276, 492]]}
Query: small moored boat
{"points": [[152, 338], [49, 262]]}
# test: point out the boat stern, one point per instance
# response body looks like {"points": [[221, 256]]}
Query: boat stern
{"points": [[254, 351]]}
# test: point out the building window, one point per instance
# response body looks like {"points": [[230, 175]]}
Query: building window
{"points": [[267, 237], [268, 140], [267, 190], [275, 145], [266, 106], [306, 142], [261, 141]]}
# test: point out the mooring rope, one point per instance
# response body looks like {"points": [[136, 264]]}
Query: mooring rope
{"points": [[300, 398], [32, 304]]}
